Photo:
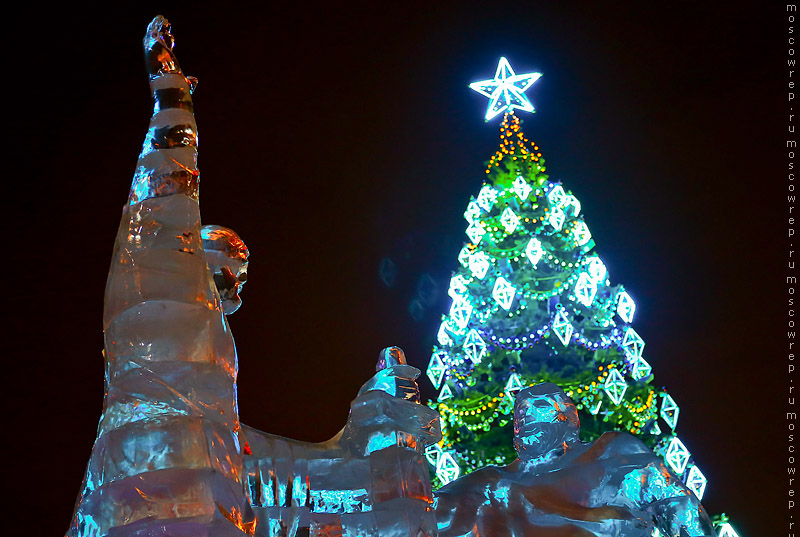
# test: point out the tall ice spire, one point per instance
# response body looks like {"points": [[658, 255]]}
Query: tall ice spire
{"points": [[167, 460]]}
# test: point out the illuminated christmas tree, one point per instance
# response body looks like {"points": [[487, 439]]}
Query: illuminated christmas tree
{"points": [[533, 302]]}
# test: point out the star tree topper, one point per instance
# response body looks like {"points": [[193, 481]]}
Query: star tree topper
{"points": [[506, 90]]}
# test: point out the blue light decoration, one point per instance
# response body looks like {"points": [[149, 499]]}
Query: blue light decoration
{"points": [[669, 411], [573, 203], [521, 188], [696, 481], [473, 211], [615, 386], [503, 293], [534, 251], [562, 327], [641, 369], [596, 269], [677, 456], [474, 346], [557, 197], [436, 368], [432, 453], [585, 289], [446, 393], [479, 265], [625, 307], [458, 287], [475, 232], [486, 198], [461, 311], [581, 233], [447, 468], [443, 337], [506, 91], [632, 344], [556, 219], [513, 385], [464, 255], [509, 219]]}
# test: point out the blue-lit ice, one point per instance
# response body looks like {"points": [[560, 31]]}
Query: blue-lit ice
{"points": [[369, 480], [171, 458], [560, 486]]}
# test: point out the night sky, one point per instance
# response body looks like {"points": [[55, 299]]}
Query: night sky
{"points": [[333, 139]]}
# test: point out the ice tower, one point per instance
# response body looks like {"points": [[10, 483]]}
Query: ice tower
{"points": [[167, 447]]}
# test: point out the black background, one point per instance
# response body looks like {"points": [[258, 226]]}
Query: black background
{"points": [[334, 137]]}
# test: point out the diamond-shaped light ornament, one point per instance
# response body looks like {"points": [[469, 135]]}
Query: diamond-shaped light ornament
{"points": [[726, 530], [625, 306], [581, 233], [432, 453], [475, 232], [443, 337], [464, 255], [696, 481], [510, 220], [513, 385], [460, 312], [447, 469], [585, 289], [506, 91], [562, 327], [641, 369], [670, 411], [596, 269], [572, 204], [486, 197], [479, 264], [534, 251], [677, 456], [474, 346], [503, 293], [453, 327], [556, 219], [436, 368], [557, 197], [458, 287], [445, 394], [632, 344], [473, 211], [615, 386], [521, 188]]}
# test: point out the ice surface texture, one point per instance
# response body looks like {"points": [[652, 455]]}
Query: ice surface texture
{"points": [[371, 479], [560, 486], [167, 459]]}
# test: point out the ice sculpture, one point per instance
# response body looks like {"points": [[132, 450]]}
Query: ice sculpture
{"points": [[560, 486], [168, 459], [371, 479]]}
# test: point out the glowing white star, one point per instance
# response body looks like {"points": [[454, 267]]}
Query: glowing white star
{"points": [[506, 90]]}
